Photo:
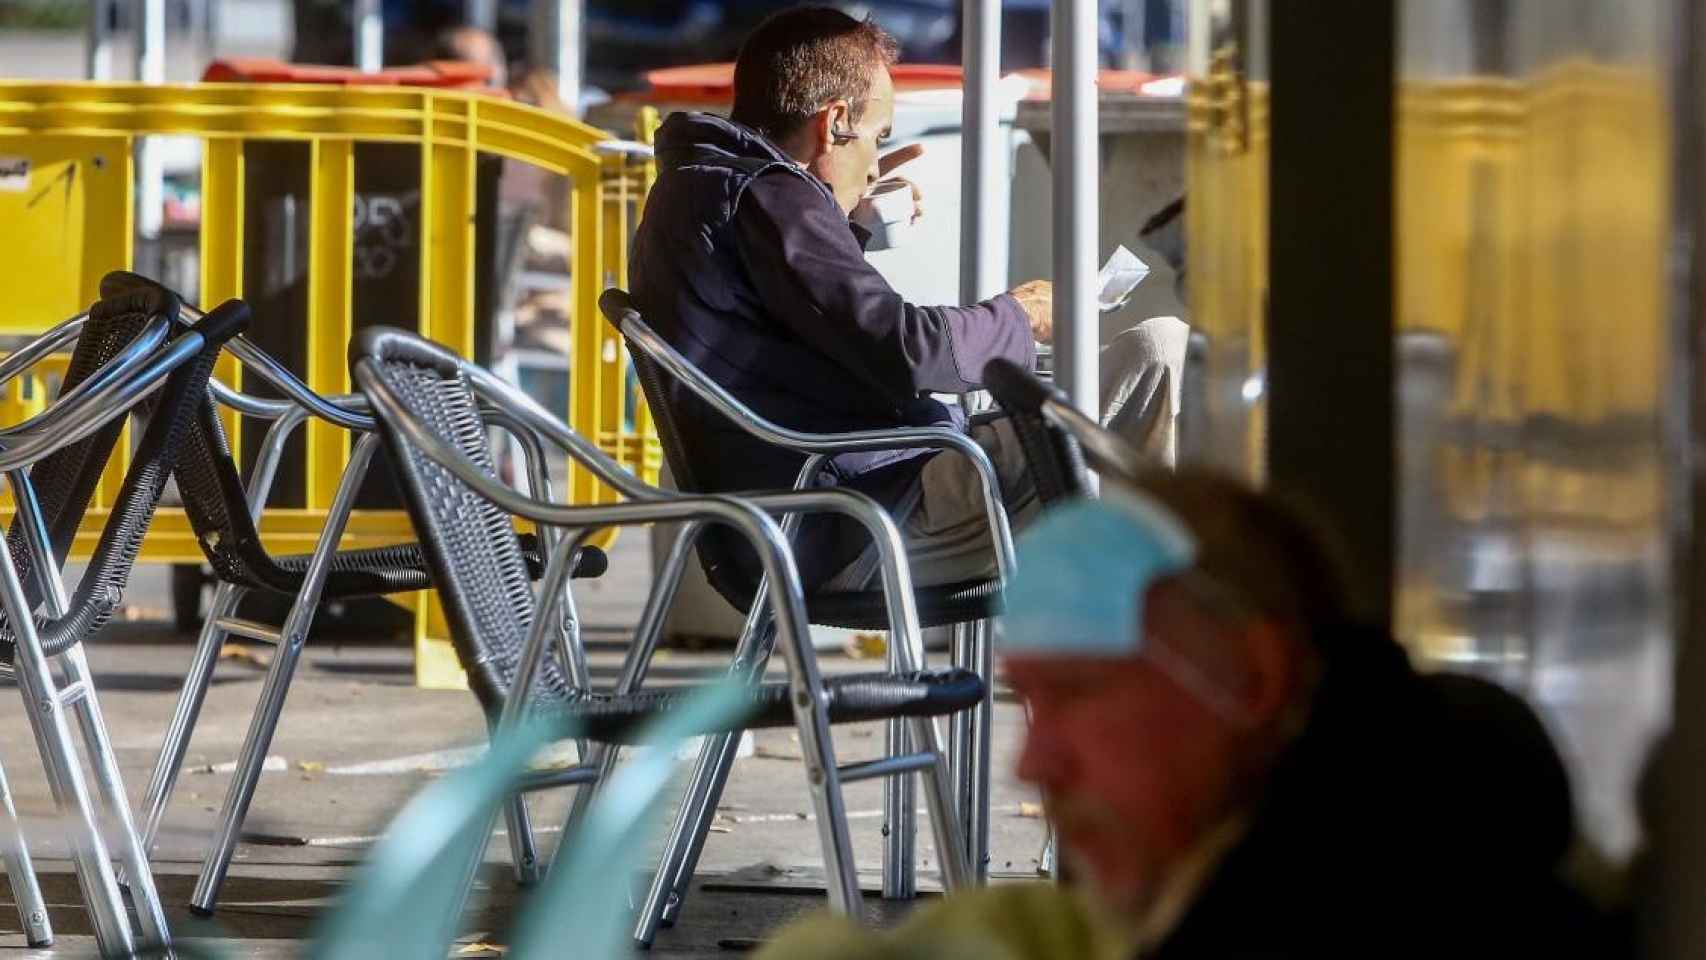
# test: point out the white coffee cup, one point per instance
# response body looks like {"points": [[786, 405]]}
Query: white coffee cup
{"points": [[887, 213]]}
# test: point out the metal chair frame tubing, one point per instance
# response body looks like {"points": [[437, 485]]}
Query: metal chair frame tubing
{"points": [[746, 514], [110, 393], [287, 415], [970, 745]]}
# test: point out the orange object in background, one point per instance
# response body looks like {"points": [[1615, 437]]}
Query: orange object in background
{"points": [[1107, 81], [713, 83], [443, 74]]}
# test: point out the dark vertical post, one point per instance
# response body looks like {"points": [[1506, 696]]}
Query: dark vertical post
{"points": [[1330, 371], [1673, 788]]}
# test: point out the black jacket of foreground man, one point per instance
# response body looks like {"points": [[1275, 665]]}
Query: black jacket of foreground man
{"points": [[745, 264], [1417, 816]]}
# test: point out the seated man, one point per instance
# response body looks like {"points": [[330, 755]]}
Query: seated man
{"points": [[1235, 771], [746, 261]]}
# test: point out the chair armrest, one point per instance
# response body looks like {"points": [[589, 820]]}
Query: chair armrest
{"points": [[123, 364], [41, 347], [616, 307], [348, 412], [83, 412]]}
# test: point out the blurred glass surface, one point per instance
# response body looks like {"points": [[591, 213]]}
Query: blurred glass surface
{"points": [[1532, 225], [1226, 235]]}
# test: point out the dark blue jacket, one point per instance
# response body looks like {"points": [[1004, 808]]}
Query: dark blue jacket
{"points": [[744, 262]]}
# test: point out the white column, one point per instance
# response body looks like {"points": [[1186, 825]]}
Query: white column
{"points": [[151, 69], [369, 36], [98, 54], [482, 14], [1075, 159], [981, 260], [554, 37]]}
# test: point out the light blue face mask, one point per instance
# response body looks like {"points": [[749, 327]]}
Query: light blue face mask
{"points": [[1083, 570]]}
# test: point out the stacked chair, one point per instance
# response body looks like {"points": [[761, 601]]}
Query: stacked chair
{"points": [[965, 607], [224, 514], [134, 355], [429, 404]]}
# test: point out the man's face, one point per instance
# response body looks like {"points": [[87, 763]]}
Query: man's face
{"points": [[1134, 769], [849, 163]]}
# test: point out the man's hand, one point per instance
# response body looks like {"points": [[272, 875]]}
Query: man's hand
{"points": [[1037, 298], [888, 162]]}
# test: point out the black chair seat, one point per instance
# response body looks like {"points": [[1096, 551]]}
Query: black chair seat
{"points": [[852, 698], [947, 603], [939, 605], [377, 571]]}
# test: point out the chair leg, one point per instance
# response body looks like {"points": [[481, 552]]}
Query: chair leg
{"points": [[170, 761], [961, 731], [523, 850], [132, 854], [687, 834], [817, 747], [101, 896], [45, 704], [946, 826], [635, 663], [974, 808], [21, 873], [900, 810], [699, 804], [293, 636]]}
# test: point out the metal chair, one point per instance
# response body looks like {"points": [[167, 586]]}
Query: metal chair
{"points": [[224, 515], [966, 607], [132, 355], [1061, 443], [427, 400]]}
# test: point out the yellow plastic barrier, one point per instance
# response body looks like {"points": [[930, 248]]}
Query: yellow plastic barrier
{"points": [[66, 202], [1226, 232]]}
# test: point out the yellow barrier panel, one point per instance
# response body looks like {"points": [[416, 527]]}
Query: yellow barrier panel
{"points": [[69, 221], [1226, 232]]}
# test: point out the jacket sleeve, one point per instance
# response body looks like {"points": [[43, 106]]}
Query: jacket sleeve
{"points": [[810, 273]]}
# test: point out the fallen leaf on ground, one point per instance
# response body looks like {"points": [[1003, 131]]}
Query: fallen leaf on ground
{"points": [[480, 947], [770, 753], [866, 646], [1031, 811], [243, 653], [310, 766]]}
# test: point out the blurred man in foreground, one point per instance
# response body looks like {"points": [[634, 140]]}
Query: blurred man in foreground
{"points": [[1237, 771]]}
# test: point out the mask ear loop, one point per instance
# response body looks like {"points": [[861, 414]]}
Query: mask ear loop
{"points": [[1195, 681], [1187, 673]]}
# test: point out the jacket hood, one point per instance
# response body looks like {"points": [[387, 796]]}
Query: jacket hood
{"points": [[688, 136]]}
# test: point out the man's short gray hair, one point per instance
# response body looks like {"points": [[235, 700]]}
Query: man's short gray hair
{"points": [[799, 60]]}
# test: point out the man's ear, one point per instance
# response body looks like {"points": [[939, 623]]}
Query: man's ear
{"points": [[1274, 671], [838, 118], [818, 135]]}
